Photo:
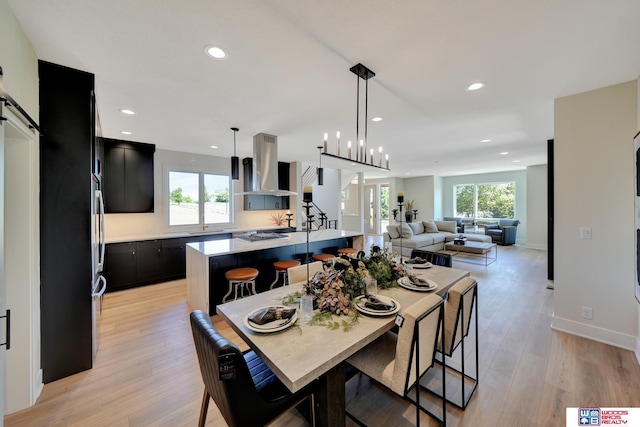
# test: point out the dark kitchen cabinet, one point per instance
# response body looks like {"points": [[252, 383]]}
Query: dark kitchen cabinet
{"points": [[120, 265], [67, 111], [128, 176], [174, 258], [133, 264], [149, 261], [259, 202]]}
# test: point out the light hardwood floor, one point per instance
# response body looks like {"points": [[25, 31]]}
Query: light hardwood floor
{"points": [[146, 372]]}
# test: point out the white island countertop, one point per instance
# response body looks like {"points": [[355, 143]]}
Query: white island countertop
{"points": [[236, 245], [200, 255]]}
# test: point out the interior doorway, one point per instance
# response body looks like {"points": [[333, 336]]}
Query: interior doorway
{"points": [[376, 208], [371, 209]]}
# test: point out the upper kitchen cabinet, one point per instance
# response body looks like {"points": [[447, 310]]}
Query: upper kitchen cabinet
{"points": [[128, 176]]}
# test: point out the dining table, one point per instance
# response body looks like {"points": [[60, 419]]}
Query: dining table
{"points": [[304, 353]]}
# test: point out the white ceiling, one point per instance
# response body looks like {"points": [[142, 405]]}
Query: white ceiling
{"points": [[287, 73]]}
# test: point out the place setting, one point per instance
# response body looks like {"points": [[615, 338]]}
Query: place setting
{"points": [[415, 283], [270, 319], [372, 304], [419, 263]]}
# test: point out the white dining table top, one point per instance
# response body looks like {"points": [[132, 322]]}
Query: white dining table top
{"points": [[303, 352]]}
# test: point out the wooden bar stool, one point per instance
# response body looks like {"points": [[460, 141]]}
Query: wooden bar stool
{"points": [[238, 278], [347, 251], [281, 267], [324, 258]]}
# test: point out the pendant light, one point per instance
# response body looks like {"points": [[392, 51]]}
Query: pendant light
{"points": [[235, 161], [320, 170]]}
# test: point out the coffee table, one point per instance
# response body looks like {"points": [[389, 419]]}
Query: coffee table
{"points": [[473, 250]]}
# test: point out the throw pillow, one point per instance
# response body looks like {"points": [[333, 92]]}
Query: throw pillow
{"points": [[406, 231], [393, 231], [416, 227], [430, 227]]}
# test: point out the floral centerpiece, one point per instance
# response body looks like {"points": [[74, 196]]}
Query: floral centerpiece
{"points": [[336, 288]]}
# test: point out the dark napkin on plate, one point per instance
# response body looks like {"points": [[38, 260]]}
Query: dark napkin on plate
{"points": [[374, 303], [416, 260], [418, 281], [269, 314]]}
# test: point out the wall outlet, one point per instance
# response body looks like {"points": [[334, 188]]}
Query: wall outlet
{"points": [[587, 313], [585, 232]]}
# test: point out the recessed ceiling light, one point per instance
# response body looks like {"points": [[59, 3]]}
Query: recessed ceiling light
{"points": [[476, 86], [125, 111], [504, 153], [376, 119], [516, 161], [407, 173], [485, 140], [125, 132], [214, 146], [216, 52]]}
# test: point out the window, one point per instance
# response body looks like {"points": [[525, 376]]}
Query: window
{"points": [[198, 198], [484, 201]]}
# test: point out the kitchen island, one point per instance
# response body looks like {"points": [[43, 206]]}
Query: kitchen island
{"points": [[208, 261]]}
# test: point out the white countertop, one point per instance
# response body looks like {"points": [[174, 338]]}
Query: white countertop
{"points": [[155, 236], [230, 246]]}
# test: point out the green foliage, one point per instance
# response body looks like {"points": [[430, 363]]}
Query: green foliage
{"points": [[207, 195], [176, 196], [384, 202], [222, 196], [465, 196], [494, 200], [327, 319]]}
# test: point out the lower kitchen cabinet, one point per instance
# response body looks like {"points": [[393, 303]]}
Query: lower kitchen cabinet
{"points": [[149, 262], [132, 264], [120, 266]]}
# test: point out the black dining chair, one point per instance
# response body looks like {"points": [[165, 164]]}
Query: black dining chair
{"points": [[436, 258], [244, 388]]}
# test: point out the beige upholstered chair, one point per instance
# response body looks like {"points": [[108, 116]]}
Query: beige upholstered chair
{"points": [[459, 307], [396, 361], [298, 274]]}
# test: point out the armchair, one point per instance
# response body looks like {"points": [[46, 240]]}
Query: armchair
{"points": [[504, 233]]}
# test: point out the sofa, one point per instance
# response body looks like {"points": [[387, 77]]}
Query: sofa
{"points": [[503, 233], [426, 235], [458, 220]]}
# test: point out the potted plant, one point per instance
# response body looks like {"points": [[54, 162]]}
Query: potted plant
{"points": [[408, 205]]}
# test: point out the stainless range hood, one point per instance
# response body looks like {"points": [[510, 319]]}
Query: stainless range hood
{"points": [[265, 167]]}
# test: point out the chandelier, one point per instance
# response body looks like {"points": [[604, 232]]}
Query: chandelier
{"points": [[361, 154]]}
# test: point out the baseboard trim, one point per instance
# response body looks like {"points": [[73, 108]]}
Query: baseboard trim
{"points": [[537, 247], [595, 333]]}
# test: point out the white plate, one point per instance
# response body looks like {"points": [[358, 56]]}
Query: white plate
{"points": [[425, 265], [274, 326], [365, 310], [407, 284]]}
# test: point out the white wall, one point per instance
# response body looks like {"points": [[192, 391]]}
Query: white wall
{"points": [[22, 269], [519, 177], [19, 63], [22, 370], [638, 129], [422, 191], [594, 187], [537, 207]]}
